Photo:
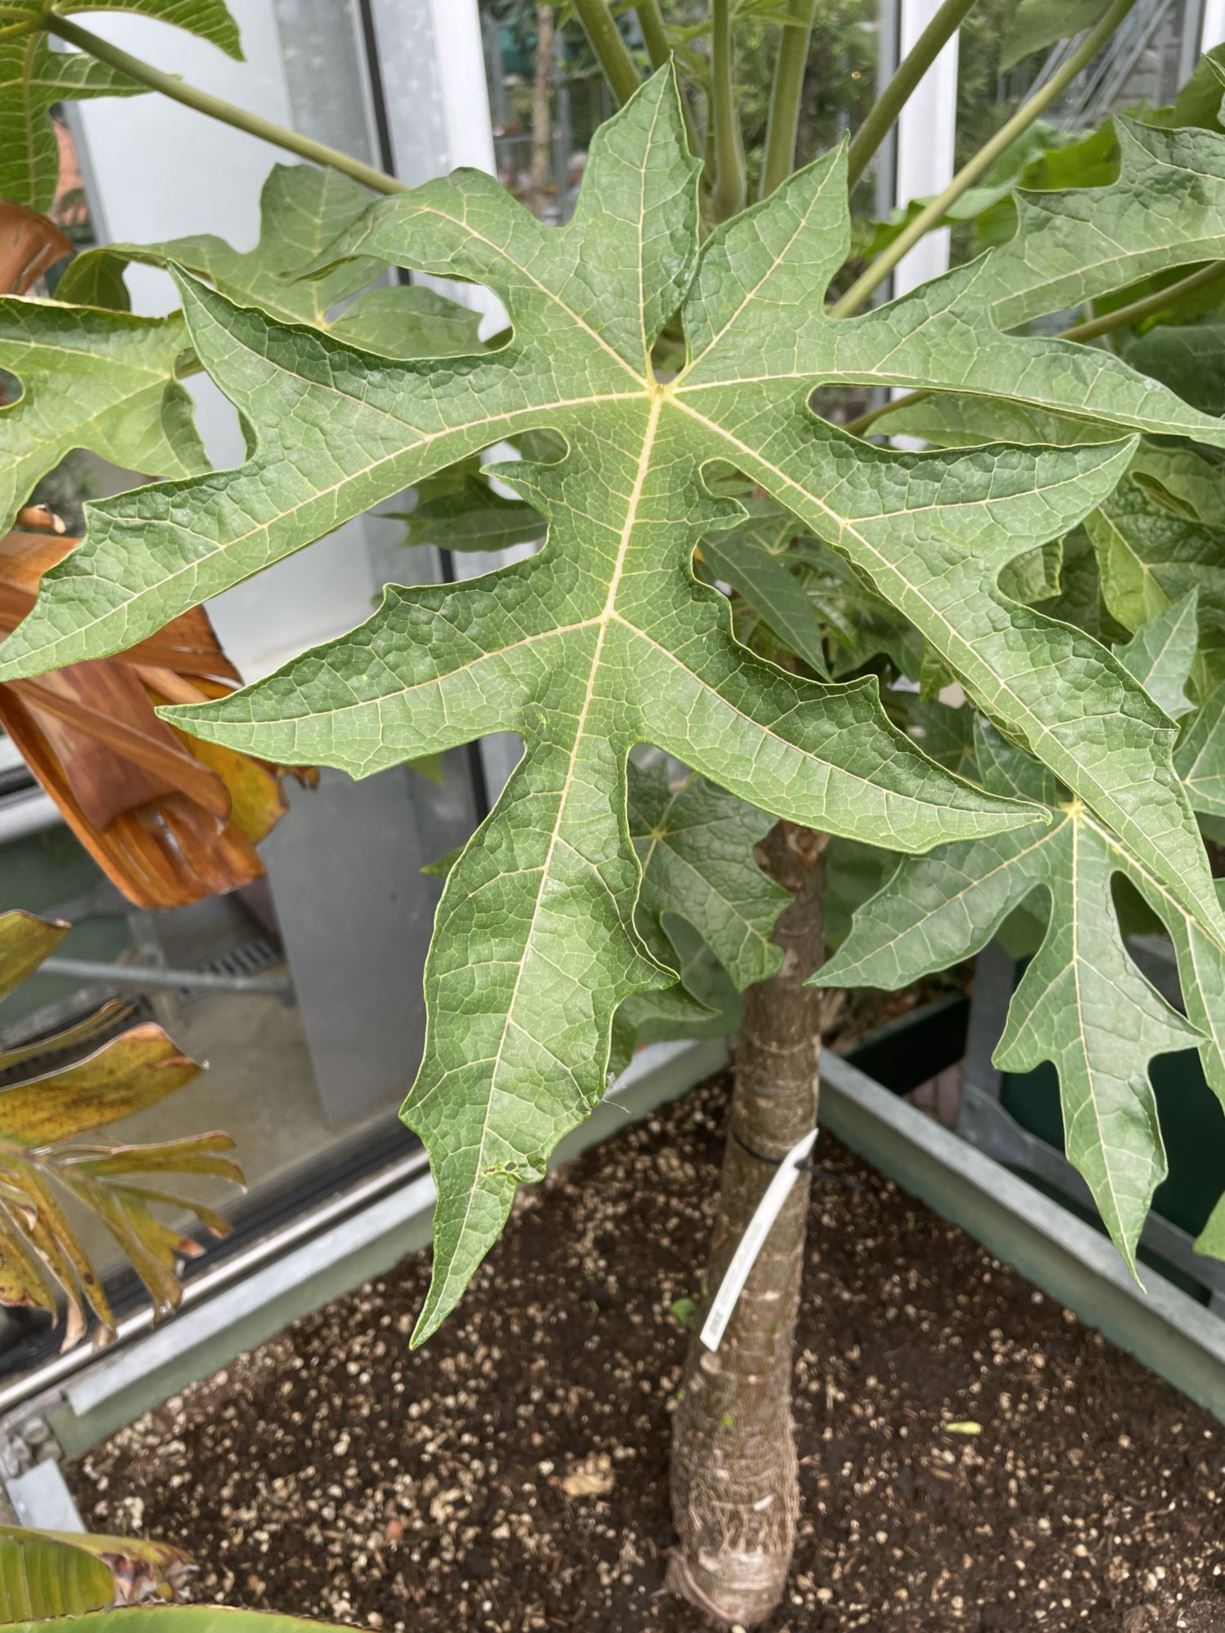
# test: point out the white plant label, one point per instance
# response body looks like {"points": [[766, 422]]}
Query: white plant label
{"points": [[750, 1244]]}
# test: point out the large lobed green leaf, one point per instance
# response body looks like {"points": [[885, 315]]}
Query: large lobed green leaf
{"points": [[34, 77], [1166, 209], [105, 381], [111, 382], [605, 639], [302, 209], [1081, 1003]]}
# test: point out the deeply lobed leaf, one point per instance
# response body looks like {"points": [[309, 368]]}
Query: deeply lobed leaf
{"points": [[1165, 210], [302, 209], [105, 381], [605, 639], [1081, 1003]]}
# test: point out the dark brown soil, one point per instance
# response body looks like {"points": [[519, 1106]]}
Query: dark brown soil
{"points": [[513, 1475]]}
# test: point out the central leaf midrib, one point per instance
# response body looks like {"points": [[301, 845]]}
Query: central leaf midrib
{"points": [[602, 626]]}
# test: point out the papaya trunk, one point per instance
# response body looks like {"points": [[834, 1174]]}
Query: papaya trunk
{"points": [[542, 133], [735, 1492]]}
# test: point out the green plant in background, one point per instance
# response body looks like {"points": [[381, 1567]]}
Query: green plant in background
{"points": [[177, 1619], [50, 1575], [45, 1574], [1055, 553], [55, 1095]]}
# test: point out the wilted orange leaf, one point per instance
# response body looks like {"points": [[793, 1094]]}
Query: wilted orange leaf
{"points": [[29, 246], [168, 818]]}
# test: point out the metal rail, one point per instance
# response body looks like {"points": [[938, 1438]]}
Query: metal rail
{"points": [[150, 975]]}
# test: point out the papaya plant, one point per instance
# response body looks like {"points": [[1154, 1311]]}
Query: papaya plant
{"points": [[1051, 555]]}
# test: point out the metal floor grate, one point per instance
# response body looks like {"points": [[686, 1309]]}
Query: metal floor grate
{"points": [[247, 958]]}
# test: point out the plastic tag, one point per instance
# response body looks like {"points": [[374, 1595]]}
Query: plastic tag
{"points": [[750, 1244]]}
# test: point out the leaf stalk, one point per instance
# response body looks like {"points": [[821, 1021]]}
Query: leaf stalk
{"points": [[786, 93], [730, 187], [1124, 316], [870, 280], [655, 38], [611, 51], [884, 111], [217, 108]]}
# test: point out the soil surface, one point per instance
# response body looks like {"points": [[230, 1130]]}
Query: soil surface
{"points": [[513, 1474]]}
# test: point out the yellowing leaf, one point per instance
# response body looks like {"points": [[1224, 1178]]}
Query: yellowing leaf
{"points": [[25, 940]]}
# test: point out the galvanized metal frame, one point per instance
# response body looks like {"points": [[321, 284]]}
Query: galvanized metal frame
{"points": [[984, 1123]]}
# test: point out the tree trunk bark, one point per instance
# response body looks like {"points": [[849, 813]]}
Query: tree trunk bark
{"points": [[735, 1490], [542, 127]]}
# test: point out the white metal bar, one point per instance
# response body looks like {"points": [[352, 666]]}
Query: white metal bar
{"points": [[41, 1499]]}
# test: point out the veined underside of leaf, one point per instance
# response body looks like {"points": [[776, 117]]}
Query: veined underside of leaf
{"points": [[1166, 209], [605, 638], [695, 845], [1081, 1003], [106, 381], [1161, 653], [112, 382], [33, 78], [303, 209], [1153, 549]]}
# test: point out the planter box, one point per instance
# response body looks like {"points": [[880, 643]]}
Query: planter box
{"points": [[1168, 1330], [1017, 1120]]}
